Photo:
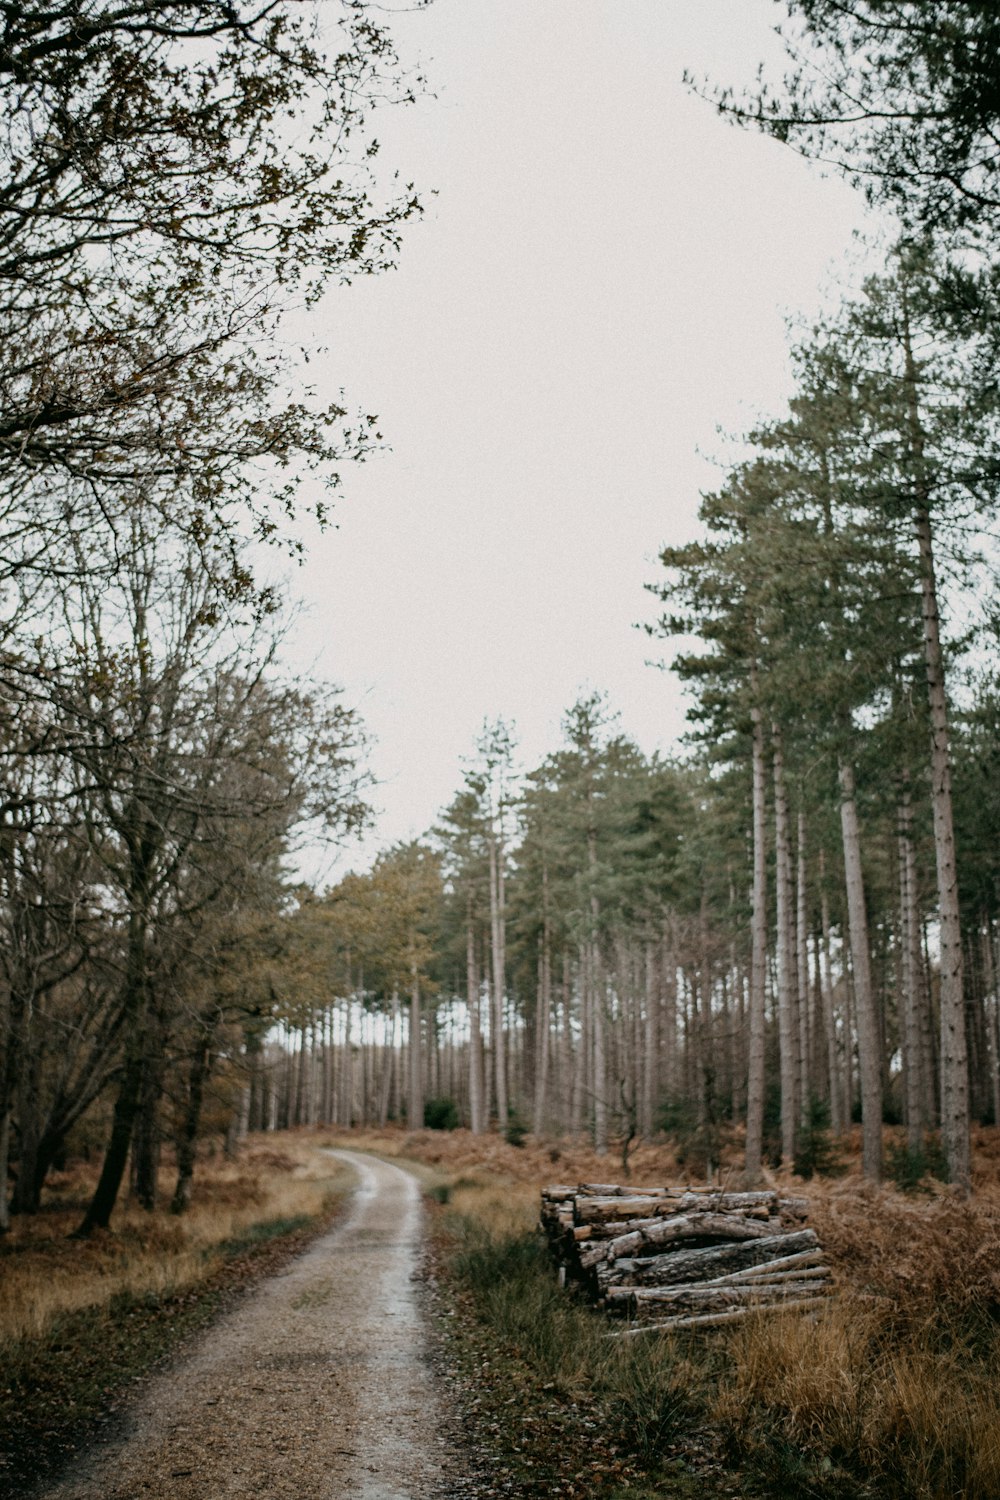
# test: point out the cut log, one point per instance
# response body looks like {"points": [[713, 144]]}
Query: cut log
{"points": [[639, 1299], [703, 1256], [708, 1320], [713, 1260], [685, 1227], [648, 1271], [783, 1265], [736, 1203], [776, 1278], [598, 1210]]}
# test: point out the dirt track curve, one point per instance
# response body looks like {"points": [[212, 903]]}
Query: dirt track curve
{"points": [[315, 1388]]}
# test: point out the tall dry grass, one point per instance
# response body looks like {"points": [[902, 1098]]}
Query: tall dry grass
{"points": [[44, 1274], [896, 1381], [892, 1390], [539, 1339]]}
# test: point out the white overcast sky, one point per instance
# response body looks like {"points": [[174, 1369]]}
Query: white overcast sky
{"points": [[599, 283]]}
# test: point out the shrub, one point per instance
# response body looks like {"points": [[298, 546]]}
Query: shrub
{"points": [[441, 1114], [816, 1152], [910, 1168], [699, 1136]]}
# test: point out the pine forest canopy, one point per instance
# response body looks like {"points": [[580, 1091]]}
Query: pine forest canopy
{"points": [[792, 921], [900, 94]]}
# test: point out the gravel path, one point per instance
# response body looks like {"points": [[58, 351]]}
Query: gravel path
{"points": [[316, 1388]]}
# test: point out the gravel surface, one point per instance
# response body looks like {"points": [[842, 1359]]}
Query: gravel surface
{"points": [[318, 1387]]}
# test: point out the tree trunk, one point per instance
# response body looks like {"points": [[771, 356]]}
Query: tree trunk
{"points": [[650, 1050], [476, 1121], [11, 1077], [4, 1165], [415, 1106], [389, 1064], [802, 965], [788, 1029], [25, 1198], [954, 1048], [187, 1136], [909, 946], [146, 1137], [839, 1117], [869, 1048], [134, 1009], [347, 1067], [600, 1068], [497, 946], [544, 1013]]}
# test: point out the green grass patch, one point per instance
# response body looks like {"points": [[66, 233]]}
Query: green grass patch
{"points": [[564, 1409], [261, 1234]]}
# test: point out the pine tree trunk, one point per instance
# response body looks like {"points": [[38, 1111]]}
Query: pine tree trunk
{"points": [[415, 1105], [599, 1019], [802, 966], [669, 1035], [389, 1062], [838, 1114], [476, 1120], [650, 1050], [581, 1058], [992, 1016], [869, 1046], [909, 944], [788, 1028], [544, 1014], [568, 1050], [954, 1049], [499, 980]]}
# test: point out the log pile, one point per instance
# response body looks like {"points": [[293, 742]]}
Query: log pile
{"points": [[683, 1257]]}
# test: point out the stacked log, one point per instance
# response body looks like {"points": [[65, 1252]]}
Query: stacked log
{"points": [[684, 1257]]}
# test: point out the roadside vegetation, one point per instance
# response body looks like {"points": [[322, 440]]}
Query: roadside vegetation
{"points": [[891, 1391], [81, 1321]]}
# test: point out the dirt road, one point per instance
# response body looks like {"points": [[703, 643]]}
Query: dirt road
{"points": [[316, 1388]]}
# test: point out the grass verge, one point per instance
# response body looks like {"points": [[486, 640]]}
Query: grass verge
{"points": [[891, 1391], [81, 1324], [559, 1408]]}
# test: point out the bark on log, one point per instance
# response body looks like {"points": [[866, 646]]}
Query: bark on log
{"points": [[714, 1298], [655, 1271], [784, 1265], [708, 1320], [685, 1227], [713, 1260]]}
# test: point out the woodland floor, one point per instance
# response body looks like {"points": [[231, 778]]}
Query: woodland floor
{"points": [[369, 1365]]}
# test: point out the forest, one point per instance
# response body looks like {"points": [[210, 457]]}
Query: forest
{"points": [[786, 928]]}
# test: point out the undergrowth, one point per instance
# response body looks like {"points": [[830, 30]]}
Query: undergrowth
{"points": [[570, 1411], [890, 1391]]}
